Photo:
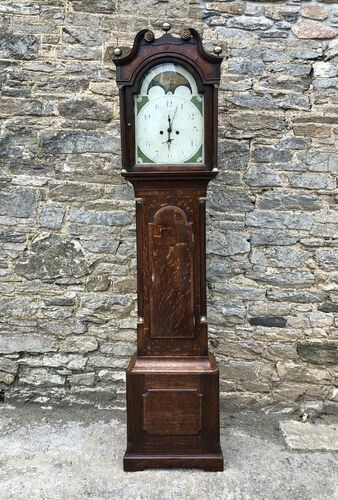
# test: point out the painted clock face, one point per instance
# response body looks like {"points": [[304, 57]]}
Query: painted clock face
{"points": [[169, 117]]}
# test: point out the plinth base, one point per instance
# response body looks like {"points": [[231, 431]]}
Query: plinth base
{"points": [[134, 462], [173, 413]]}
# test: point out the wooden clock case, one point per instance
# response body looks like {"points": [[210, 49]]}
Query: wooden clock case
{"points": [[172, 380]]}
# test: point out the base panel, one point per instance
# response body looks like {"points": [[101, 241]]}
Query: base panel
{"points": [[173, 414], [133, 462]]}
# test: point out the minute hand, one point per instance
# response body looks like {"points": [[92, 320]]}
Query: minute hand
{"points": [[173, 116], [170, 122]]}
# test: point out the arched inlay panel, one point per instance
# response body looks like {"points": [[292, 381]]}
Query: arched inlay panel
{"points": [[171, 274]]}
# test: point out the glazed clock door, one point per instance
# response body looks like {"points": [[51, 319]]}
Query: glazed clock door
{"points": [[169, 118]]}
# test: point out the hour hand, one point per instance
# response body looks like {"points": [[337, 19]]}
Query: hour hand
{"points": [[168, 141]]}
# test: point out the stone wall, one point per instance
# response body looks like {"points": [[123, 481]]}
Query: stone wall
{"points": [[67, 234]]}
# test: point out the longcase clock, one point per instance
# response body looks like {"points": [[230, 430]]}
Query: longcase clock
{"points": [[168, 102]]}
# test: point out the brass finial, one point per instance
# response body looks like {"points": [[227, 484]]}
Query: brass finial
{"points": [[166, 26], [117, 52]]}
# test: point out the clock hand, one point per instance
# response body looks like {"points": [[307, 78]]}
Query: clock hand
{"points": [[174, 115], [169, 130], [168, 141]]}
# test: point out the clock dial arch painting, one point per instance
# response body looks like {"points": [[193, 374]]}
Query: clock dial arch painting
{"points": [[169, 117]]}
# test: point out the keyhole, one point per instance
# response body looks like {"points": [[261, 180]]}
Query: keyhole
{"points": [[177, 132], [161, 132]]}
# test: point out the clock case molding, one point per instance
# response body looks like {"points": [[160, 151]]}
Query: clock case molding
{"points": [[172, 380]]}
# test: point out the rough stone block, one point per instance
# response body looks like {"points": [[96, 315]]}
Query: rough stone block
{"points": [[328, 307], [267, 154], [10, 107], [74, 191], [59, 301], [257, 122], [99, 7], [268, 101], [27, 342], [325, 70], [18, 202], [18, 306], [327, 258], [10, 7], [282, 12], [69, 141], [118, 348], [247, 370], [217, 268], [246, 67], [61, 85], [312, 181], [233, 155], [297, 296], [116, 218], [285, 200], [292, 69], [331, 50], [70, 361], [232, 312], [18, 46], [89, 37], [268, 321], [262, 176], [290, 220], [236, 8], [6, 378], [52, 256], [283, 279], [246, 291], [51, 215], [249, 23], [315, 130], [291, 391], [326, 84], [230, 199], [8, 365], [98, 284], [275, 256], [82, 379], [314, 11], [318, 352], [41, 377], [81, 344], [293, 372], [85, 109], [269, 238], [231, 243], [305, 28], [324, 230]]}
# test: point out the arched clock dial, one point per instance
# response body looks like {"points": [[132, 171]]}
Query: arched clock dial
{"points": [[169, 120]]}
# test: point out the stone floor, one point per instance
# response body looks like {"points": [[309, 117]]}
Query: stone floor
{"points": [[74, 453]]}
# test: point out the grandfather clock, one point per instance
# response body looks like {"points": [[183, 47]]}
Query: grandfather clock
{"points": [[168, 101]]}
